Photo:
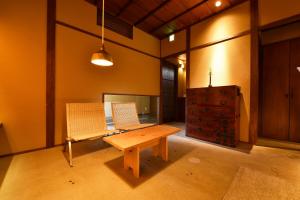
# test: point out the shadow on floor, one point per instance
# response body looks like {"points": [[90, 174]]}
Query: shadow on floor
{"points": [[149, 165], [4, 166], [85, 147]]}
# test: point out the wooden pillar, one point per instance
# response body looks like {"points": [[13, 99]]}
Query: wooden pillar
{"points": [[188, 57], [50, 73], [254, 86]]}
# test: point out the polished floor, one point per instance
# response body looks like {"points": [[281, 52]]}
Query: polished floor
{"points": [[196, 170]]}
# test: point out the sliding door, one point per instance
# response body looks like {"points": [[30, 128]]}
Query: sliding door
{"points": [[275, 99], [295, 91], [281, 91]]}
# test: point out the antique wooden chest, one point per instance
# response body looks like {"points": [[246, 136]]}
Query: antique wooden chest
{"points": [[213, 114]]}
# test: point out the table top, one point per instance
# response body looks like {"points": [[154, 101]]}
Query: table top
{"points": [[138, 137]]}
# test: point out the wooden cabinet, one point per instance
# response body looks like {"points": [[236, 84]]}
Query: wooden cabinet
{"points": [[213, 114]]}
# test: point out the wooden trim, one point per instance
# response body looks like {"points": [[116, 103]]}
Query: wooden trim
{"points": [[205, 18], [221, 40], [50, 74], [22, 152], [179, 15], [254, 77], [188, 69], [151, 12], [32, 150], [115, 24], [280, 23], [174, 54], [188, 56], [106, 39], [161, 99]]}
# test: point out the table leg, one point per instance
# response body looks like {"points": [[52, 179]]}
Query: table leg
{"points": [[164, 148], [132, 160], [161, 149], [156, 150]]}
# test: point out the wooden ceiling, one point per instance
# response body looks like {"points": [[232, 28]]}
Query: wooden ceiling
{"points": [[160, 18]]}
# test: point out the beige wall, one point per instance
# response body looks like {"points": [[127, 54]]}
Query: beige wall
{"points": [[274, 10], [22, 75], [231, 66], [79, 81], [230, 23], [178, 45], [230, 61]]}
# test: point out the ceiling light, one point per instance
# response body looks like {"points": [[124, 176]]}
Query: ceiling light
{"points": [[171, 38], [102, 58], [218, 3]]}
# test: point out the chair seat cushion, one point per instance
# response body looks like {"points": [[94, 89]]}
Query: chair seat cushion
{"points": [[91, 135]]}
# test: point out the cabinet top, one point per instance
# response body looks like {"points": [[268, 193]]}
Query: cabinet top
{"points": [[225, 86]]}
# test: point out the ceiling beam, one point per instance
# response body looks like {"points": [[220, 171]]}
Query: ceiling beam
{"points": [[179, 15], [151, 12], [124, 7]]}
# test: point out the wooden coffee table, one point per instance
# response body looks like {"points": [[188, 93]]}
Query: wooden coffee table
{"points": [[134, 141]]}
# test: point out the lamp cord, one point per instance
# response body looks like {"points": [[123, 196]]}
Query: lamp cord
{"points": [[102, 38]]}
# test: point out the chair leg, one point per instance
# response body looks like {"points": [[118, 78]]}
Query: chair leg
{"points": [[65, 146], [70, 153]]}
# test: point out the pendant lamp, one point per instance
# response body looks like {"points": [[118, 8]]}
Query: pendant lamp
{"points": [[102, 57]]}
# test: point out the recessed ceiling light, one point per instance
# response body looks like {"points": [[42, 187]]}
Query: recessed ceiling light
{"points": [[218, 3], [171, 38]]}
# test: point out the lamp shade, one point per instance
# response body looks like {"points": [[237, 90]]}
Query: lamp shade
{"points": [[102, 58]]}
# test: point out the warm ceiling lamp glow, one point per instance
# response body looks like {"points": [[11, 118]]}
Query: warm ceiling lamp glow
{"points": [[102, 58], [181, 64], [218, 3], [171, 38]]}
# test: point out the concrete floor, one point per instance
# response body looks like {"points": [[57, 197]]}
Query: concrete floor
{"points": [[196, 170]]}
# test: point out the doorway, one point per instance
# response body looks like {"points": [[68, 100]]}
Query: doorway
{"points": [[281, 91], [173, 88]]}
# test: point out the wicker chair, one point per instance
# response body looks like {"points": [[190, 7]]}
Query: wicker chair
{"points": [[125, 116], [84, 121]]}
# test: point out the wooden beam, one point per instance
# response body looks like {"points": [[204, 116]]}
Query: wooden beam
{"points": [[221, 40], [174, 54], [128, 3], [205, 18], [151, 12], [254, 73], [179, 15], [50, 74], [281, 23], [115, 24], [106, 39]]}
